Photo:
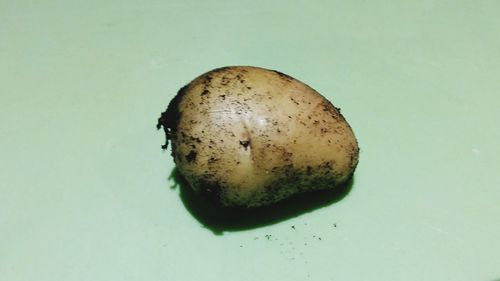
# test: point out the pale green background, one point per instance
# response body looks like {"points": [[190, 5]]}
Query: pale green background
{"points": [[84, 188]]}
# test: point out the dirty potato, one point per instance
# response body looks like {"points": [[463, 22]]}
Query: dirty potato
{"points": [[247, 136]]}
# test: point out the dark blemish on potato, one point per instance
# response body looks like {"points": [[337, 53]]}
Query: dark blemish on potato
{"points": [[212, 160], [205, 92], [198, 140], [208, 175], [334, 112], [354, 157], [249, 88], [245, 144], [283, 76], [225, 80], [191, 156], [169, 119], [324, 130], [309, 170], [207, 81], [286, 156], [223, 97], [316, 122]]}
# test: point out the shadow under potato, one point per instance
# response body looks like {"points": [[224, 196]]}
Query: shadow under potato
{"points": [[219, 219]]}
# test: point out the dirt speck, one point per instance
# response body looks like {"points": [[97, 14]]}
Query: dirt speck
{"points": [[191, 157], [245, 143]]}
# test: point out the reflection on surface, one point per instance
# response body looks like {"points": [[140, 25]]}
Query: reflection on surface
{"points": [[219, 219]]}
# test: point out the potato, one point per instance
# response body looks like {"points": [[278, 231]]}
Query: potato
{"points": [[247, 137]]}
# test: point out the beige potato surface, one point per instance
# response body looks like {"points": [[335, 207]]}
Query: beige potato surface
{"points": [[247, 136]]}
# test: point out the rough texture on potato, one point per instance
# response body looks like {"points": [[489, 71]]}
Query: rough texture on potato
{"points": [[246, 136]]}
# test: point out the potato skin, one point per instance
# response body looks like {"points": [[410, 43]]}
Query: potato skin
{"points": [[247, 137]]}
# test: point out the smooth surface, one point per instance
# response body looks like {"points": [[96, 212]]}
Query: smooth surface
{"points": [[84, 188]]}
